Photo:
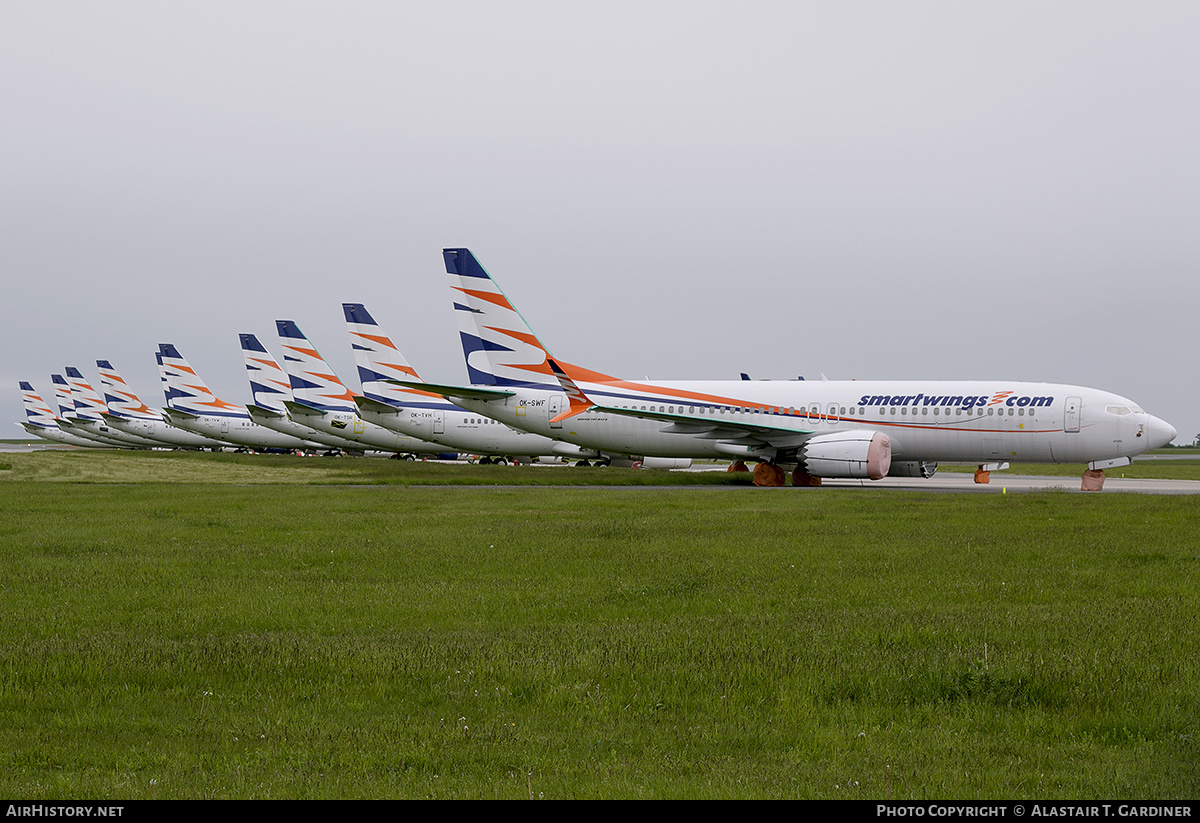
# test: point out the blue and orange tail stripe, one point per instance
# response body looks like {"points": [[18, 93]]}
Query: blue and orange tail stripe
{"points": [[62, 396], [312, 380], [270, 385], [119, 397], [187, 391], [37, 410], [499, 346], [88, 403], [380, 361]]}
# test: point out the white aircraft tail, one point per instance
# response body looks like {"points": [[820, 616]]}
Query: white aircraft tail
{"points": [[62, 396], [119, 397], [313, 382], [88, 403], [186, 391], [269, 383], [499, 346], [37, 412], [380, 361]]}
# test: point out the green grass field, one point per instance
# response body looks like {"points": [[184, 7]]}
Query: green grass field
{"points": [[219, 626]]}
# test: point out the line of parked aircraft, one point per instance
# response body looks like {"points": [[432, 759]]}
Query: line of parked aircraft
{"points": [[522, 402]]}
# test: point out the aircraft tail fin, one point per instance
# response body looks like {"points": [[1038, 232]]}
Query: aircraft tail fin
{"points": [[62, 397], [162, 377], [270, 385], [186, 391], [37, 412], [499, 346], [88, 403], [379, 362], [119, 397], [313, 382]]}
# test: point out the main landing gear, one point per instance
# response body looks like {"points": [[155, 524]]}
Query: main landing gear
{"points": [[768, 474]]}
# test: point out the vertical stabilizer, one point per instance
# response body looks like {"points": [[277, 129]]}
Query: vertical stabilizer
{"points": [[88, 403], [186, 391], [313, 382], [269, 383], [499, 347], [62, 397], [37, 412], [379, 360], [119, 397]]}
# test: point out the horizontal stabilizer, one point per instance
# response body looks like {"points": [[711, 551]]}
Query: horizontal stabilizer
{"points": [[369, 405], [261, 412], [449, 392], [303, 409]]}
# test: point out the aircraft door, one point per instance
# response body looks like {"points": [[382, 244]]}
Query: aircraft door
{"points": [[1071, 414], [831, 413], [439, 421], [814, 414], [555, 409]]}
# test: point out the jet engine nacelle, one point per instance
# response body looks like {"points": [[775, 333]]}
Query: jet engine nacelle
{"points": [[571, 450], [847, 454], [913, 468], [666, 462]]}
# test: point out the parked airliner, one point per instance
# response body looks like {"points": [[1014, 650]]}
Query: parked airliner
{"points": [[271, 389], [88, 419], [43, 422], [819, 429], [127, 413], [322, 402], [67, 415], [192, 405], [424, 414]]}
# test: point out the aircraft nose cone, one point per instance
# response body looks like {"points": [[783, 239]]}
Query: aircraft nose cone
{"points": [[1159, 432]]}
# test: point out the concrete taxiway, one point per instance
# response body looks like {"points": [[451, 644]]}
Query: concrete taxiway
{"points": [[964, 483]]}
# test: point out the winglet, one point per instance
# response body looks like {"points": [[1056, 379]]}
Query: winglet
{"points": [[579, 402]]}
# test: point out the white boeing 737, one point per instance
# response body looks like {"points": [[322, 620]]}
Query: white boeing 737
{"points": [[127, 413], [425, 414], [271, 389], [89, 418], [44, 423], [192, 405], [322, 402], [817, 429]]}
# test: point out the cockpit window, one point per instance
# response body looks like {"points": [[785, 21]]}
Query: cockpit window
{"points": [[1122, 410]]}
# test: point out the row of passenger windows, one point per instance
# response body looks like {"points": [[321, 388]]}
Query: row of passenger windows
{"points": [[842, 410]]}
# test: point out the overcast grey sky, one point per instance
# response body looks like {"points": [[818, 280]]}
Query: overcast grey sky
{"points": [[690, 190]]}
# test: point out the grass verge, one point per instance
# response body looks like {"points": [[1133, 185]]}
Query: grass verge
{"points": [[286, 640]]}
